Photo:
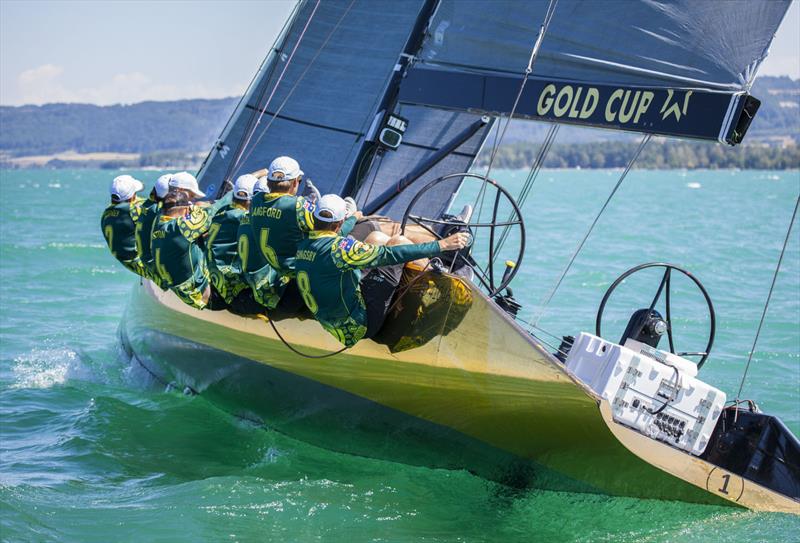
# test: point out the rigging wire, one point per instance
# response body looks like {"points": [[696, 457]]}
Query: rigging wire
{"points": [[551, 8], [399, 295], [237, 162], [268, 320], [499, 136], [578, 249], [540, 339], [275, 48], [533, 174], [766, 304], [552, 335], [296, 83]]}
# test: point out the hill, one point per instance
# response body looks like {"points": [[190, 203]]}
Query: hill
{"points": [[179, 133], [184, 125]]}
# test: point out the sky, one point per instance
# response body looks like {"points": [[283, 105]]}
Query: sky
{"points": [[127, 51]]}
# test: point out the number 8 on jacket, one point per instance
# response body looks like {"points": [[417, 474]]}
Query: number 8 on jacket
{"points": [[304, 286]]}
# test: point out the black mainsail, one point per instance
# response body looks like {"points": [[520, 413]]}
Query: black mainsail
{"points": [[341, 68]]}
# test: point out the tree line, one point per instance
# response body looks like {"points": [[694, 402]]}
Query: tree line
{"points": [[656, 155]]}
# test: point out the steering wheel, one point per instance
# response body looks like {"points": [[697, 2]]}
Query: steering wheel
{"points": [[486, 277], [664, 287]]}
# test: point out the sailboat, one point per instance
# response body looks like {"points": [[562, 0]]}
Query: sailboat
{"points": [[391, 103]]}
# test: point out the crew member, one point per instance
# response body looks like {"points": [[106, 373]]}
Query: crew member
{"points": [[223, 240], [186, 183], [280, 219], [178, 258], [329, 278], [119, 222], [259, 275], [144, 226]]}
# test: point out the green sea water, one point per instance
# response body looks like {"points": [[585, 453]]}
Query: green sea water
{"points": [[92, 450]]}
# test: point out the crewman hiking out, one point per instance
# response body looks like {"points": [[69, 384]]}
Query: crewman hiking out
{"points": [[328, 268], [178, 258], [119, 220], [144, 227], [187, 183], [223, 239], [256, 272], [280, 220]]}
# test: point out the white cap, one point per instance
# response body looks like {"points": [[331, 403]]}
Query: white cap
{"points": [[124, 187], [333, 204], [162, 185], [286, 166], [261, 185], [186, 181], [243, 188]]}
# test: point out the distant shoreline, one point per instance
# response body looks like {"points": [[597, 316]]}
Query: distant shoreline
{"points": [[178, 134], [659, 155]]}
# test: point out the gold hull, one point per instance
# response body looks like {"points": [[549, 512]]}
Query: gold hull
{"points": [[483, 381]]}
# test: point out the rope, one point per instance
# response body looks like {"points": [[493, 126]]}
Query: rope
{"points": [[266, 318], [769, 296], [552, 292], [251, 131], [296, 83], [551, 8]]}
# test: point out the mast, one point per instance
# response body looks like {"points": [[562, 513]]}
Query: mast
{"points": [[389, 100]]}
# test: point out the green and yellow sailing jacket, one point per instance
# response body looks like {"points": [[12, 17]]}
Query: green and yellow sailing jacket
{"points": [[279, 221], [144, 233], [328, 274], [177, 256], [266, 283], [119, 228], [221, 249]]}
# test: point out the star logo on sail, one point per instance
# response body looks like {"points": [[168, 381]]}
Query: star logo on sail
{"points": [[675, 109]]}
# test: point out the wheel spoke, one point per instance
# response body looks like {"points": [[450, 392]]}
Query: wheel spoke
{"points": [[418, 221], [665, 286], [515, 219], [668, 277], [664, 280]]}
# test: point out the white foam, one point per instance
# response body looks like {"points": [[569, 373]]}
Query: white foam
{"points": [[43, 368], [694, 185]]}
